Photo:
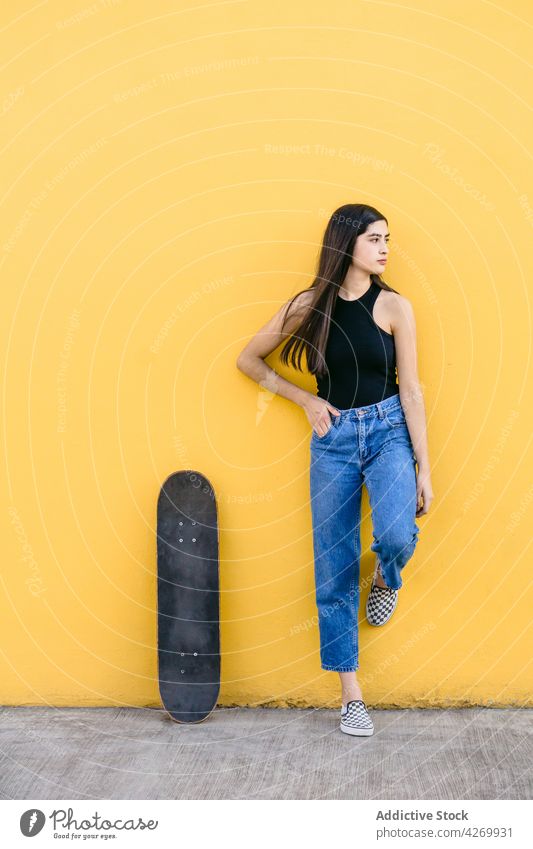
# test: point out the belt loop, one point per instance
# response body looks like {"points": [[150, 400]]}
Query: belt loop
{"points": [[381, 414]]}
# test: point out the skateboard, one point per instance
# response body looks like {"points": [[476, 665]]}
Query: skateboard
{"points": [[188, 613]]}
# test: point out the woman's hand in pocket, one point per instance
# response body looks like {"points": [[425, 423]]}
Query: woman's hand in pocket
{"points": [[318, 413]]}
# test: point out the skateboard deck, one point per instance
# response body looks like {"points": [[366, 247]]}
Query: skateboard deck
{"points": [[188, 614]]}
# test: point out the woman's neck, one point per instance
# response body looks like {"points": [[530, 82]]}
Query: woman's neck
{"points": [[355, 284]]}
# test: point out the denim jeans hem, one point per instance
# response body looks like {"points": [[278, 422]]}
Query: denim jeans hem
{"points": [[340, 668]]}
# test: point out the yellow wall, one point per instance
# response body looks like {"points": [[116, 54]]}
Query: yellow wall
{"points": [[150, 223]]}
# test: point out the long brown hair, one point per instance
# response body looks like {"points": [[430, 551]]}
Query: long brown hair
{"points": [[345, 225]]}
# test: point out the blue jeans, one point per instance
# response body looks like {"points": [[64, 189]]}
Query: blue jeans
{"points": [[369, 445]]}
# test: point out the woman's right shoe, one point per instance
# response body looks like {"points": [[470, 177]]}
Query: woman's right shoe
{"points": [[381, 602], [356, 720]]}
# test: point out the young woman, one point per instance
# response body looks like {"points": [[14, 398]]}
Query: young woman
{"points": [[356, 332]]}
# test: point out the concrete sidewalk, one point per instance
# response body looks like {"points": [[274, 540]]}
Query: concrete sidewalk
{"points": [[264, 753]]}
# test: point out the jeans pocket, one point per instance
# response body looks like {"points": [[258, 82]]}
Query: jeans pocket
{"points": [[395, 417]]}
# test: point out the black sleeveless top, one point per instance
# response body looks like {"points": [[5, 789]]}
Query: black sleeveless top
{"points": [[360, 356]]}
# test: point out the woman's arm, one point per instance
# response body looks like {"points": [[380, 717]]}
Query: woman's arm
{"points": [[251, 359], [251, 362], [403, 326]]}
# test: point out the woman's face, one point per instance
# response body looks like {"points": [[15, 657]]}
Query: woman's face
{"points": [[371, 248]]}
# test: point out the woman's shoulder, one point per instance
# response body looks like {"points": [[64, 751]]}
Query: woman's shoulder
{"points": [[296, 309], [301, 301], [393, 311], [306, 296], [397, 311], [395, 302]]}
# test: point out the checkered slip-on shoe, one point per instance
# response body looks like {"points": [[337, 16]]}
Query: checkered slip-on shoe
{"points": [[356, 720], [380, 604]]}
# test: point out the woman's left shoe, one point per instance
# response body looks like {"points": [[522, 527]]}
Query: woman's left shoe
{"points": [[356, 720], [381, 603]]}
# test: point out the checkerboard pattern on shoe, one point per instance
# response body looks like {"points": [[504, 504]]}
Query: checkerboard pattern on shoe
{"points": [[380, 604], [356, 720]]}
